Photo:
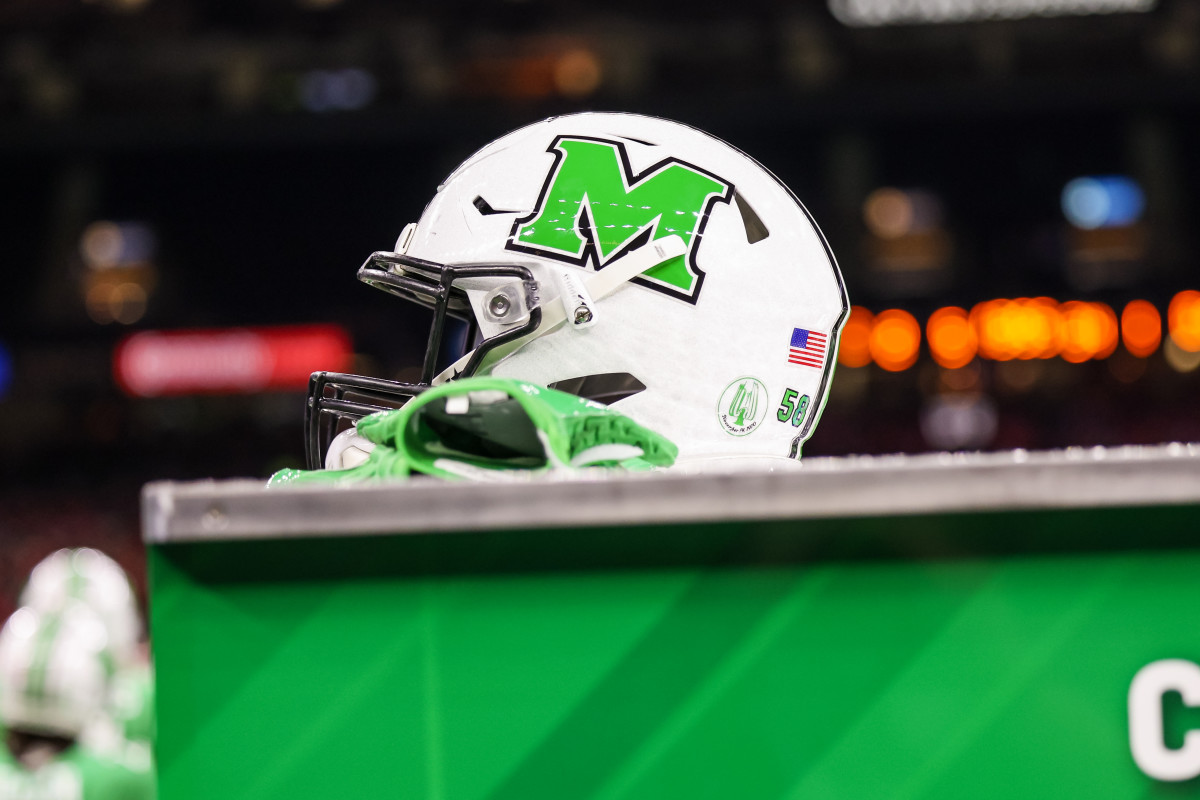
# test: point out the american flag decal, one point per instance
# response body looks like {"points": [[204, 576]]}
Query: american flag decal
{"points": [[808, 348]]}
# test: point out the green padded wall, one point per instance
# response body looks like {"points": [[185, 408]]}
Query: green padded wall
{"points": [[981, 654]]}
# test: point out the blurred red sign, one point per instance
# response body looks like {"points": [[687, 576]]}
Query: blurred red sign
{"points": [[229, 360]]}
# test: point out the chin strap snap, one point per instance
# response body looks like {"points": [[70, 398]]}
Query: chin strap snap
{"points": [[578, 306]]}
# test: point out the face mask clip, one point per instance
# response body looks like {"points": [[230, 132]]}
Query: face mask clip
{"points": [[510, 303]]}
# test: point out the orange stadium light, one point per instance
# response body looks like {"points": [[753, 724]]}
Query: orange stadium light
{"points": [[1183, 320], [895, 340], [1141, 328], [1023, 328], [1047, 329], [1110, 329], [952, 338], [984, 318], [1091, 331], [1009, 329], [854, 349]]}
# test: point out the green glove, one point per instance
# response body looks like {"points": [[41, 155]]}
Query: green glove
{"points": [[490, 428]]}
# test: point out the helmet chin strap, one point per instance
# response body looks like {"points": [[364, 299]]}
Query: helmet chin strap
{"points": [[599, 285]]}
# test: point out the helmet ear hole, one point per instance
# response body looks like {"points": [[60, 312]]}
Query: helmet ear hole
{"points": [[756, 230], [485, 208]]}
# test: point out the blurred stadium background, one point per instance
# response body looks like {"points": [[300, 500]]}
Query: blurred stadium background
{"points": [[1010, 189]]}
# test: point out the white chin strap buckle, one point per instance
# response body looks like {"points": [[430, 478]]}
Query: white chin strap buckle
{"points": [[576, 291], [578, 306]]}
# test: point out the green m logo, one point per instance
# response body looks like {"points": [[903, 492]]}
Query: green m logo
{"points": [[593, 209]]}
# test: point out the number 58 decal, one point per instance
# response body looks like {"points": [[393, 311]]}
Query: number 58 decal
{"points": [[793, 407]]}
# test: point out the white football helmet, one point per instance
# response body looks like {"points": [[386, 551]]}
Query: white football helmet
{"points": [[54, 670], [86, 575], [628, 259]]}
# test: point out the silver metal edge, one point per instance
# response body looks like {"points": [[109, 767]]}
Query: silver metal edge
{"points": [[854, 486]]}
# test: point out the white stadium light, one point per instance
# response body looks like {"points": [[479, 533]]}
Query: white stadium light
{"points": [[1103, 201], [871, 13]]}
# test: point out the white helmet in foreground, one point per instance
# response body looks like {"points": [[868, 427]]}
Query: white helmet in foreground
{"points": [[628, 259], [83, 574], [54, 670]]}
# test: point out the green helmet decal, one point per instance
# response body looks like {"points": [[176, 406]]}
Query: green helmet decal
{"points": [[593, 209], [742, 406]]}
